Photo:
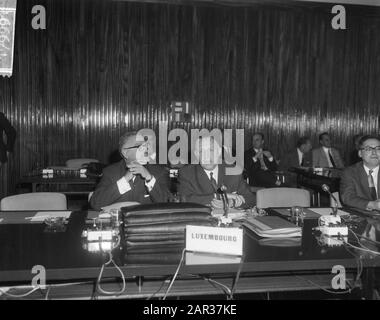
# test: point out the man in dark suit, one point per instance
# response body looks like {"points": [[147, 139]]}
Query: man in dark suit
{"points": [[200, 183], [132, 178], [259, 164], [298, 157], [10, 132], [326, 156], [360, 183]]}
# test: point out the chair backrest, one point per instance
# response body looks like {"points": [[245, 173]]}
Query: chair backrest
{"points": [[78, 163], [337, 197], [282, 197], [34, 201]]}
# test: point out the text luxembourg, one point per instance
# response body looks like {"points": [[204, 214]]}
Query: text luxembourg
{"points": [[217, 237]]}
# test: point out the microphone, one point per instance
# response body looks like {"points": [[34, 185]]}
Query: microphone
{"points": [[222, 191], [326, 188]]}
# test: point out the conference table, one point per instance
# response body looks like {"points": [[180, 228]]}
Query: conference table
{"points": [[267, 265]]}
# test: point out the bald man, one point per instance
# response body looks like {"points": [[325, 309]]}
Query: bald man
{"points": [[132, 178]]}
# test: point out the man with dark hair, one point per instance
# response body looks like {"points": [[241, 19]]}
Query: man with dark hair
{"points": [[326, 156], [298, 157], [360, 183], [259, 164], [6, 146], [132, 178]]}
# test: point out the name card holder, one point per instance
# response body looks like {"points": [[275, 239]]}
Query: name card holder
{"points": [[222, 241]]}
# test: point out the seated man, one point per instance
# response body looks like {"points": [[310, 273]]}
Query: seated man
{"points": [[131, 179], [202, 182], [298, 157], [326, 156], [259, 164], [359, 186]]}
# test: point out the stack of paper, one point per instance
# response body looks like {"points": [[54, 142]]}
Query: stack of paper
{"points": [[272, 227]]}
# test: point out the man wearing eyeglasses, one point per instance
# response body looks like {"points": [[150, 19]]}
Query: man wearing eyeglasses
{"points": [[132, 179], [360, 183]]}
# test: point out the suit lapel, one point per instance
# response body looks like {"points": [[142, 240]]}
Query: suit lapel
{"points": [[203, 180], [364, 179]]}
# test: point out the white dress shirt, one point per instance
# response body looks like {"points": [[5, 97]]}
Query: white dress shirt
{"points": [[300, 156], [326, 150], [214, 173], [375, 174], [124, 186]]}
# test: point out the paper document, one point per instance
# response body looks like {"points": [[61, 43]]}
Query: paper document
{"points": [[328, 211], [272, 227], [41, 216]]}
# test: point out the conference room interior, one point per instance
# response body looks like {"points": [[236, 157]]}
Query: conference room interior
{"points": [[88, 71]]}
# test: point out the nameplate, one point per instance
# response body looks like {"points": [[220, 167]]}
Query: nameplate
{"points": [[227, 241]]}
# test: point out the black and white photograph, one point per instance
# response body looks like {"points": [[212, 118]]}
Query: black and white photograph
{"points": [[188, 156]]}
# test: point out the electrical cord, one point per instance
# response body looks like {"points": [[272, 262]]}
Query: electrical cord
{"points": [[175, 274], [159, 289], [237, 278], [49, 287], [98, 282]]}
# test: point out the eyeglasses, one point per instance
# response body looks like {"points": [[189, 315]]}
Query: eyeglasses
{"points": [[134, 147], [370, 149]]}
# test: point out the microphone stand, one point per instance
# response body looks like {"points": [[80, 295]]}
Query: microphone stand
{"points": [[326, 188]]}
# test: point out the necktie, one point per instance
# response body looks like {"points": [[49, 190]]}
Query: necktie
{"points": [[331, 159], [213, 181], [302, 160], [262, 163], [371, 184]]}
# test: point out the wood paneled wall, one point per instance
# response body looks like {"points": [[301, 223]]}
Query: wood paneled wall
{"points": [[101, 68]]}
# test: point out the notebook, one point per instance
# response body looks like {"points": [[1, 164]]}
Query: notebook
{"points": [[272, 227]]}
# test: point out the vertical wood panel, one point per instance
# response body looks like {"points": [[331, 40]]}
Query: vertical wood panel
{"points": [[103, 67]]}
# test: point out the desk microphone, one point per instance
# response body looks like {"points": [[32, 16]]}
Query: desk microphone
{"points": [[326, 188], [222, 191]]}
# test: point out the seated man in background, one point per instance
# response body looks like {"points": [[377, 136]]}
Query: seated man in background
{"points": [[201, 183], [260, 164], [359, 186], [298, 157], [132, 178], [326, 156]]}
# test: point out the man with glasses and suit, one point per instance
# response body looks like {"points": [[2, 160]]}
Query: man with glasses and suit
{"points": [[132, 178], [360, 183], [326, 156]]}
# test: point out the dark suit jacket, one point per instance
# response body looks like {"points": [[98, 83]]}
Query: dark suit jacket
{"points": [[291, 160], [195, 186], [10, 132], [253, 171], [354, 157], [107, 191], [354, 188]]}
